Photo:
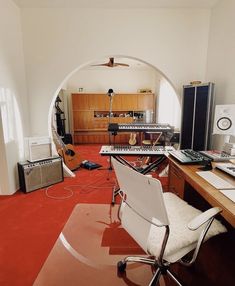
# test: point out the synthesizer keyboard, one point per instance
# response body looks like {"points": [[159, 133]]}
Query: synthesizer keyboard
{"points": [[139, 127], [188, 156], [135, 150], [228, 168]]}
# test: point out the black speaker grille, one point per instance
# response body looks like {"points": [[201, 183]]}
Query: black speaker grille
{"points": [[200, 121], [187, 118]]}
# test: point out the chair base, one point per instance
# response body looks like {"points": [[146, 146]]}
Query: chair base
{"points": [[160, 269]]}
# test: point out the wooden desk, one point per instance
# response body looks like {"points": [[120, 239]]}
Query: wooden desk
{"points": [[180, 174]]}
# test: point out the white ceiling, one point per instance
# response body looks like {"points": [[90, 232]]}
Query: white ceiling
{"points": [[117, 3]]}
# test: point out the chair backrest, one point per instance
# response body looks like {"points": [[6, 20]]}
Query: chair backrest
{"points": [[143, 194]]}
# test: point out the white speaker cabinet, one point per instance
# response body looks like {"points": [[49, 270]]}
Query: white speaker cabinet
{"points": [[38, 148], [224, 119]]}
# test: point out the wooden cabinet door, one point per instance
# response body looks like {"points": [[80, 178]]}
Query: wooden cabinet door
{"points": [[82, 119], [98, 102], [79, 101], [176, 180], [117, 102], [145, 101], [100, 123], [129, 102]]}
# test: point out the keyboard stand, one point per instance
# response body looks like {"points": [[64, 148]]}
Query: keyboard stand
{"points": [[144, 171]]}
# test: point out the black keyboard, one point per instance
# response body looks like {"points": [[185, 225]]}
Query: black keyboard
{"points": [[189, 156]]}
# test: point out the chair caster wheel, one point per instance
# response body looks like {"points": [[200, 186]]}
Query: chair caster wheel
{"points": [[121, 266]]}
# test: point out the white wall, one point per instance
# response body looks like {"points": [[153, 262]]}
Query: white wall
{"points": [[12, 83], [57, 41], [221, 56], [121, 80]]}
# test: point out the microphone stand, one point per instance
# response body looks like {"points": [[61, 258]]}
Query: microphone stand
{"points": [[110, 94]]}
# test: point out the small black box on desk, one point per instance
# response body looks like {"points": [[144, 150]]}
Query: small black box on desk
{"points": [[40, 174]]}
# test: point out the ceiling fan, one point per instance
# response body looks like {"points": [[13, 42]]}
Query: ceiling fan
{"points": [[112, 64]]}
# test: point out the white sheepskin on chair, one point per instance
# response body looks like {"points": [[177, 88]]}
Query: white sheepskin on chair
{"points": [[181, 239]]}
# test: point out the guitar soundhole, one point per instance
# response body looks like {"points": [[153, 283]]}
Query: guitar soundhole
{"points": [[70, 152]]}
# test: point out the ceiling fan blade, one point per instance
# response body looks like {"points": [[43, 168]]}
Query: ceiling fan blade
{"points": [[98, 65], [121, 64]]}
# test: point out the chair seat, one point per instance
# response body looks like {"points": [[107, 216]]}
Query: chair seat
{"points": [[181, 239]]}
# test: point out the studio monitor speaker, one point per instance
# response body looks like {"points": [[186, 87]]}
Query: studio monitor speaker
{"points": [[224, 119], [196, 124], [33, 176]]}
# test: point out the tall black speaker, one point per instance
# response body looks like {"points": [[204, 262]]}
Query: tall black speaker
{"points": [[196, 122]]}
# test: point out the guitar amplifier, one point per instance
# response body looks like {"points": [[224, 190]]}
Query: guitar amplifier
{"points": [[40, 174]]}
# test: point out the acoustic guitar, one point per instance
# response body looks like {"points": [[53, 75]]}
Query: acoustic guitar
{"points": [[132, 140], [70, 157]]}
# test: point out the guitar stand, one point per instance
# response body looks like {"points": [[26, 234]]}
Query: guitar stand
{"points": [[144, 171]]}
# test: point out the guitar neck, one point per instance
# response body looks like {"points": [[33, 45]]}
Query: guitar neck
{"points": [[59, 140]]}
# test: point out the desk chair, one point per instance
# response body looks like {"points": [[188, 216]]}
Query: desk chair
{"points": [[164, 225]]}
